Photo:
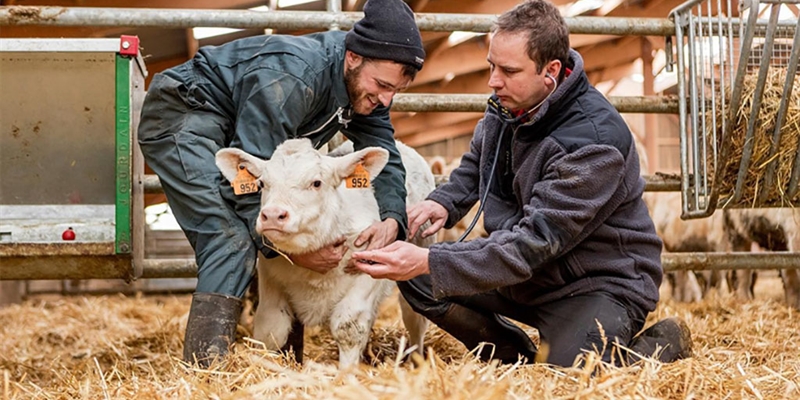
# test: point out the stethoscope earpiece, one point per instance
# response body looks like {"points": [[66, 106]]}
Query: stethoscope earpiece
{"points": [[552, 78]]}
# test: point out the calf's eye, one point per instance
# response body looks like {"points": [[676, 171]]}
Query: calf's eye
{"points": [[317, 183]]}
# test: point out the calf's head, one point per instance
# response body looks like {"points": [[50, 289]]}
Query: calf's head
{"points": [[301, 204]]}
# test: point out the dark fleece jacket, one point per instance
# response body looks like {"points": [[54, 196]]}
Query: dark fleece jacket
{"points": [[564, 212]]}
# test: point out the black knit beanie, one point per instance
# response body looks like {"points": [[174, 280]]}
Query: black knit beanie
{"points": [[387, 32]]}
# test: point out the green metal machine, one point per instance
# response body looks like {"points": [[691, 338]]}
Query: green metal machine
{"points": [[69, 110]]}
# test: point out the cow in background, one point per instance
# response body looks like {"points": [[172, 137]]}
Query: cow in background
{"points": [[695, 235], [700, 235], [772, 229], [306, 205]]}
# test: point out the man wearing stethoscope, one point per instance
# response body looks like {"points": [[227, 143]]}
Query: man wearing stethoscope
{"points": [[572, 250]]}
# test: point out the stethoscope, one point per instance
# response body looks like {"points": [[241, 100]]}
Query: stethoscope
{"points": [[497, 154]]}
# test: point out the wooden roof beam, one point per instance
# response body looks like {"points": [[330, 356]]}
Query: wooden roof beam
{"points": [[192, 4], [418, 5], [475, 82], [477, 6], [608, 6], [461, 129], [430, 121], [462, 59], [652, 9], [578, 41], [611, 54], [612, 74]]}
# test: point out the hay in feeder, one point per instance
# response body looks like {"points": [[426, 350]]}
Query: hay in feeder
{"points": [[762, 154]]}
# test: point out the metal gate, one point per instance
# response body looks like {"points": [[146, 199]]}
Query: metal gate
{"points": [[737, 83]]}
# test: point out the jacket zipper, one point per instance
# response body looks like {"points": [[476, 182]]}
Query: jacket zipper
{"points": [[510, 151], [337, 114]]}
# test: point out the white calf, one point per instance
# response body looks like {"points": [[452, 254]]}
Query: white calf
{"points": [[306, 205]]}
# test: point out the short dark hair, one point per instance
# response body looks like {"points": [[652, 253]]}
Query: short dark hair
{"points": [[409, 70], [548, 35]]}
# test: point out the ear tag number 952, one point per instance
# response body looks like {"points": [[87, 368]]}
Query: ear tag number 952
{"points": [[359, 179], [245, 182]]}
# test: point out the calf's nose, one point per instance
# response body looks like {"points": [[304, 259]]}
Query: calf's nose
{"points": [[274, 216]]}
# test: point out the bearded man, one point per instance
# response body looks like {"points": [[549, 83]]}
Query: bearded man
{"points": [[253, 94]]}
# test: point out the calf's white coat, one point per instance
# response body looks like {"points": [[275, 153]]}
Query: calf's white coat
{"points": [[306, 206]]}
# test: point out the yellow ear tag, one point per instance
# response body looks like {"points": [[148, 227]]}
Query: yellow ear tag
{"points": [[244, 182], [359, 179]]}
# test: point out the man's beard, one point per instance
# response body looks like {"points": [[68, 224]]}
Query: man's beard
{"points": [[354, 92]]}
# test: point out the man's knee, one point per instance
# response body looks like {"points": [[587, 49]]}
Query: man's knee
{"points": [[226, 262], [419, 295], [597, 323], [565, 353]]}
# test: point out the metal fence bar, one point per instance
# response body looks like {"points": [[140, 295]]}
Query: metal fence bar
{"points": [[694, 104], [128, 291], [65, 267], [769, 179], [787, 87], [729, 261], [680, 18], [113, 267], [293, 20], [670, 262], [758, 95], [477, 103], [736, 93], [169, 268], [653, 183]]}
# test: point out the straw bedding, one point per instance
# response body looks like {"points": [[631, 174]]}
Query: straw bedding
{"points": [[116, 347], [762, 144]]}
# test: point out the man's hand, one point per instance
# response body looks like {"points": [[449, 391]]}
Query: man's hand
{"points": [[322, 260], [399, 261], [378, 234], [420, 213]]}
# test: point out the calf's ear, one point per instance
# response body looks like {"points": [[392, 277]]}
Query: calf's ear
{"points": [[437, 165], [372, 158], [228, 161]]}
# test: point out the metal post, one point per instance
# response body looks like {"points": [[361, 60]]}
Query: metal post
{"points": [[477, 103], [334, 6]]}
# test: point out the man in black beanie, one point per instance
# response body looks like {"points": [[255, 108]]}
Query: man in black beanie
{"points": [[253, 94], [387, 32]]}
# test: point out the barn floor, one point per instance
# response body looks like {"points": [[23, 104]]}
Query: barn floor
{"points": [[115, 347]]}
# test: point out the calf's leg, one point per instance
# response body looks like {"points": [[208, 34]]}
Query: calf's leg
{"points": [[415, 324], [273, 320], [352, 318]]}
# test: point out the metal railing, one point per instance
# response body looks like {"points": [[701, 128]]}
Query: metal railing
{"points": [[295, 20], [112, 267]]}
